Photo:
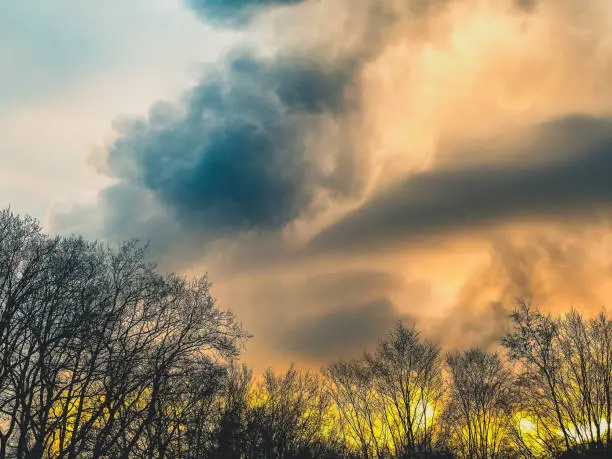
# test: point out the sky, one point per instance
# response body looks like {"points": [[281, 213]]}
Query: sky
{"points": [[333, 165]]}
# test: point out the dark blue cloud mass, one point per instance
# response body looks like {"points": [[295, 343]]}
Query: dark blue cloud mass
{"points": [[232, 156], [232, 12]]}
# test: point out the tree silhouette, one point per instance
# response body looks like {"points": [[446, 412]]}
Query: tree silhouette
{"points": [[565, 374], [479, 413], [407, 376], [103, 356], [97, 348]]}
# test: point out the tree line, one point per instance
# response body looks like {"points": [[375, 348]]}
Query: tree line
{"points": [[103, 356]]}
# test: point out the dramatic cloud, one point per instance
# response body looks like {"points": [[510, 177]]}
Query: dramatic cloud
{"points": [[340, 333], [553, 267], [233, 12], [528, 5], [465, 327], [350, 286], [239, 153], [480, 130], [293, 313], [565, 182]]}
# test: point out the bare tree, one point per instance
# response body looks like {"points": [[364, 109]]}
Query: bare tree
{"points": [[408, 380], [479, 411], [600, 331], [359, 412], [98, 352], [281, 416], [289, 414], [228, 438], [565, 374], [533, 342]]}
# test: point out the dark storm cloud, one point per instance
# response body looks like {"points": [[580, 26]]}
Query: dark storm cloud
{"points": [[232, 156], [350, 286], [340, 332], [526, 5], [330, 312], [574, 177], [258, 143], [232, 12]]}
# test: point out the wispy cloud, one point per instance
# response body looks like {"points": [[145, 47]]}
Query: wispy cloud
{"points": [[572, 179]]}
